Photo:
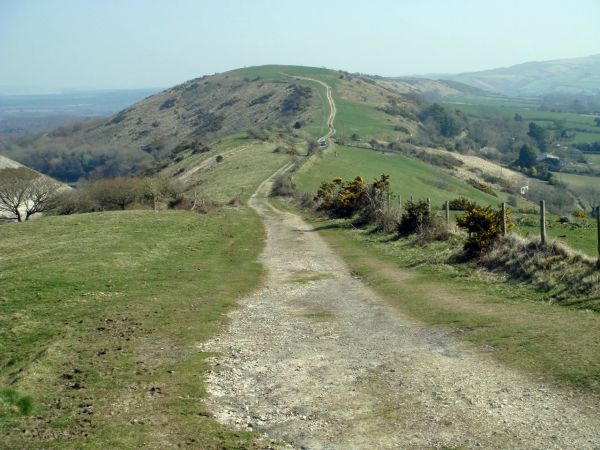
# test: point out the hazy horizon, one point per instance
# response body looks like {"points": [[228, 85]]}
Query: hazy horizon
{"points": [[69, 45]]}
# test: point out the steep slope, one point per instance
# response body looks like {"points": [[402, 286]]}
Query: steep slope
{"points": [[576, 76], [7, 163], [190, 116]]}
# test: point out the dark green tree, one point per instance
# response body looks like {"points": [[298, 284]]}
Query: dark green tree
{"points": [[445, 122], [527, 157], [538, 134]]}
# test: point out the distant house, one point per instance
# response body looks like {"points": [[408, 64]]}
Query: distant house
{"points": [[552, 161], [548, 156]]}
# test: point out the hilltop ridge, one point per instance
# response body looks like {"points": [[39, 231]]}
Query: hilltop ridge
{"points": [[189, 116]]}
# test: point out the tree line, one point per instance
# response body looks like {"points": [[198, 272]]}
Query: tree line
{"points": [[24, 193]]}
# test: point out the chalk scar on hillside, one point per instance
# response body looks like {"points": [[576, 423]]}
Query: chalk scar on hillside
{"points": [[321, 362]]}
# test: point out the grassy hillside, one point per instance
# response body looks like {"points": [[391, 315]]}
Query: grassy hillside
{"points": [[234, 166], [408, 177], [100, 320], [199, 112], [192, 116], [359, 100]]}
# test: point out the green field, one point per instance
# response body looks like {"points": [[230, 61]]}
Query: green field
{"points": [[580, 182], [579, 234], [411, 177], [593, 161], [583, 125], [353, 118], [408, 177], [100, 320]]}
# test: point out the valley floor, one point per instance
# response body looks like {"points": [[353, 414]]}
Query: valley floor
{"points": [[317, 360]]}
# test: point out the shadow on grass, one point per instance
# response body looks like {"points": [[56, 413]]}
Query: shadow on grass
{"points": [[330, 226]]}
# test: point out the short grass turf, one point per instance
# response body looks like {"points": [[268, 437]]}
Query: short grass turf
{"points": [[100, 320]]}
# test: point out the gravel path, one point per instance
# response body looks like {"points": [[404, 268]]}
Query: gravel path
{"points": [[316, 360]]}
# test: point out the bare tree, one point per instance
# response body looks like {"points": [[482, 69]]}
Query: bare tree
{"points": [[24, 193], [161, 189], [117, 193]]}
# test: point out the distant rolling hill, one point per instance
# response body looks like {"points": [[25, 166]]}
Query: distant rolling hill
{"points": [[430, 89], [570, 76], [189, 116]]}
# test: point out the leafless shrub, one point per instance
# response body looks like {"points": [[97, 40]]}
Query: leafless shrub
{"points": [[283, 186], [74, 201]]}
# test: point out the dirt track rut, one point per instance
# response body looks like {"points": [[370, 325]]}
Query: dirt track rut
{"points": [[316, 360]]}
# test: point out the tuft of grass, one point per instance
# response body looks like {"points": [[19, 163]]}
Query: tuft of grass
{"points": [[306, 276], [319, 315], [23, 404]]}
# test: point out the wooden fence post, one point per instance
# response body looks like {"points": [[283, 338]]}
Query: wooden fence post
{"points": [[543, 221], [598, 231], [503, 219], [448, 214]]}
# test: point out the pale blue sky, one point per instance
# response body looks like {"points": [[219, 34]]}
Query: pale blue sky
{"points": [[59, 44]]}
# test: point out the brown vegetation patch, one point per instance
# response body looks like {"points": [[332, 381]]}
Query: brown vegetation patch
{"points": [[567, 276]]}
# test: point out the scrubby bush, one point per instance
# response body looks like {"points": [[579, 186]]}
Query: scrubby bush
{"points": [[74, 201], [345, 199], [460, 204], [283, 186], [420, 221], [285, 150], [168, 103], [445, 122], [482, 187], [160, 190], [259, 135], [296, 100], [484, 225], [117, 193], [341, 198], [261, 100], [417, 217]]}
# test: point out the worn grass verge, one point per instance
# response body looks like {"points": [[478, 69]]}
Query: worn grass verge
{"points": [[100, 320], [563, 275], [512, 321]]}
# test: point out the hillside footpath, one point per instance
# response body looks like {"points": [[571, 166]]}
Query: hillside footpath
{"points": [[316, 360]]}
